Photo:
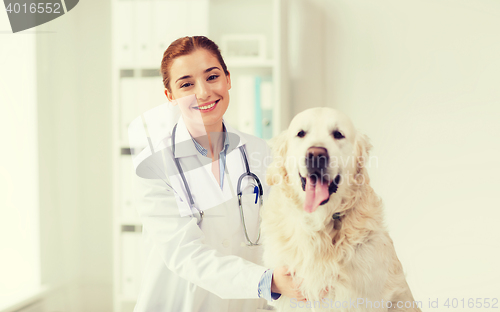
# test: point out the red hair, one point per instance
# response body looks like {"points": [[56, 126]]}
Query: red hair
{"points": [[185, 46]]}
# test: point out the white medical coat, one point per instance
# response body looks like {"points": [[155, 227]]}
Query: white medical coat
{"points": [[206, 267]]}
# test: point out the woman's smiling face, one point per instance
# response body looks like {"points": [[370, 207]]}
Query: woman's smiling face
{"points": [[201, 74]]}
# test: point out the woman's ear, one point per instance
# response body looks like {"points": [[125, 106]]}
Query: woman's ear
{"points": [[362, 149], [276, 172], [170, 97], [228, 76]]}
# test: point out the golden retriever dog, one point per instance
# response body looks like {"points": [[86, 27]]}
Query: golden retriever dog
{"points": [[324, 222]]}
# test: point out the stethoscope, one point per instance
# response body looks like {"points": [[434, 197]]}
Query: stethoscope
{"points": [[199, 213]]}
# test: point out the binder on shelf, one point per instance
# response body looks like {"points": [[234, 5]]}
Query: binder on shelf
{"points": [[125, 43], [185, 18], [157, 121], [127, 99], [246, 103], [266, 103], [156, 91], [150, 94], [255, 105], [258, 108], [128, 212], [138, 95], [151, 106], [143, 28], [131, 263], [167, 25]]}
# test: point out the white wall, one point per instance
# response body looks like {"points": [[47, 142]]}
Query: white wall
{"points": [[421, 79], [306, 51], [74, 115], [19, 245]]}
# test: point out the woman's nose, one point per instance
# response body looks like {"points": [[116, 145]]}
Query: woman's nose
{"points": [[203, 91]]}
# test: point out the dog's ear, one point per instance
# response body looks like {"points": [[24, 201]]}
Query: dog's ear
{"points": [[362, 149], [276, 171]]}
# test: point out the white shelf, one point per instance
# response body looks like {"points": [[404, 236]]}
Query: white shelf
{"points": [[139, 60], [231, 63]]}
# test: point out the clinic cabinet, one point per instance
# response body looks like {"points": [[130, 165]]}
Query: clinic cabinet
{"points": [[250, 35]]}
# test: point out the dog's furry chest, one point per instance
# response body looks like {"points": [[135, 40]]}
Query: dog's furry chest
{"points": [[330, 259], [346, 280], [348, 273]]}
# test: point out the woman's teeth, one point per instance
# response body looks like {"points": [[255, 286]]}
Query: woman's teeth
{"points": [[207, 106]]}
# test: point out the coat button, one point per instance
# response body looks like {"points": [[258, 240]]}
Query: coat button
{"points": [[225, 243]]}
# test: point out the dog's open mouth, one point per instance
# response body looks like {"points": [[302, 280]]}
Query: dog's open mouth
{"points": [[318, 190]]}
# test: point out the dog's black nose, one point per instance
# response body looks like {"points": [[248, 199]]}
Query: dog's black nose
{"points": [[316, 159]]}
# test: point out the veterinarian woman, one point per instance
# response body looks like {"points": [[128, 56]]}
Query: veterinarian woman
{"points": [[202, 256]]}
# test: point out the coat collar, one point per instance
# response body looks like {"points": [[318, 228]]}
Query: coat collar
{"points": [[184, 146]]}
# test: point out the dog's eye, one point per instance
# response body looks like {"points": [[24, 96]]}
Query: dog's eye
{"points": [[338, 135], [301, 134]]}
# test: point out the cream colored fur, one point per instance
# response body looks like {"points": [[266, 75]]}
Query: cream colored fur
{"points": [[353, 259]]}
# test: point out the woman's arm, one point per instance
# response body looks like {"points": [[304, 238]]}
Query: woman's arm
{"points": [[180, 242]]}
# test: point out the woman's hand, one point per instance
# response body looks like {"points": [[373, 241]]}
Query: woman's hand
{"points": [[284, 284]]}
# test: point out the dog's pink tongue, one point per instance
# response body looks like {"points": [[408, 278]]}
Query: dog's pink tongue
{"points": [[315, 194]]}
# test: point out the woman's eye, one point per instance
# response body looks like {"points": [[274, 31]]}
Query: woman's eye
{"points": [[185, 85], [212, 77]]}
